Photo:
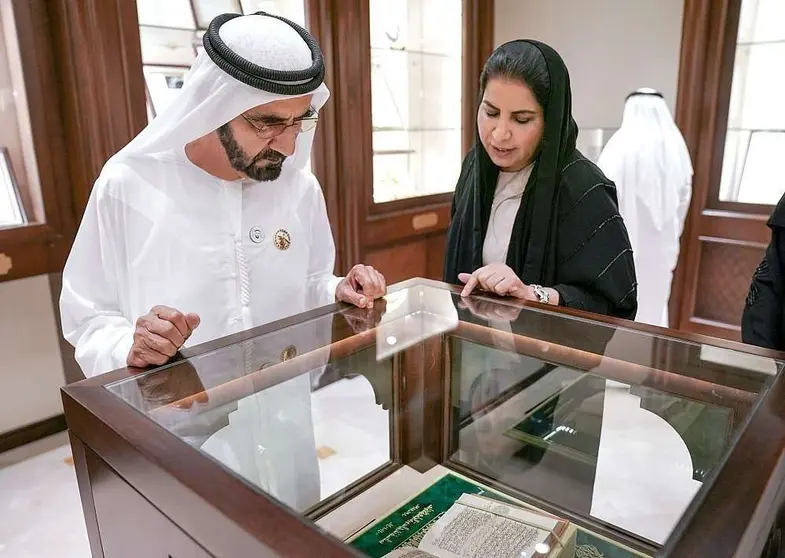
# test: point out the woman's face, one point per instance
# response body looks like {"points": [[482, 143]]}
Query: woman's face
{"points": [[511, 123]]}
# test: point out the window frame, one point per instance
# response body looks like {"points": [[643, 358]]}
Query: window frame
{"points": [[81, 69], [714, 202], [40, 247]]}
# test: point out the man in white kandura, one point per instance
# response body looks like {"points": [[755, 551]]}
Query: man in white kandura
{"points": [[648, 160], [209, 222]]}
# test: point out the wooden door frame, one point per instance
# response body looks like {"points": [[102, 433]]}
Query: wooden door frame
{"points": [[705, 78], [342, 152]]}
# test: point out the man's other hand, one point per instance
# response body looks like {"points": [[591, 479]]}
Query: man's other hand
{"points": [[159, 335], [361, 286]]}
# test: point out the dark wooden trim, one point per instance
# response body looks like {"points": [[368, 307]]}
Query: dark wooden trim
{"points": [[319, 15], [85, 92], [42, 245], [32, 432], [478, 21], [351, 40], [696, 53], [79, 453], [99, 63]]}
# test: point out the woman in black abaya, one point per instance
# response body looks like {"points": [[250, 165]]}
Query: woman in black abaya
{"points": [[531, 217]]}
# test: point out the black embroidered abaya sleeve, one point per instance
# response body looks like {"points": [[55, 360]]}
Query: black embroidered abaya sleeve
{"points": [[595, 270], [762, 321]]}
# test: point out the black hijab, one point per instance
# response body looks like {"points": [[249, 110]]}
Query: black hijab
{"points": [[535, 264], [589, 261]]}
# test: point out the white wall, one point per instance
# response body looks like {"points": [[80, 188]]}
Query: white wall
{"points": [[611, 47], [31, 370]]}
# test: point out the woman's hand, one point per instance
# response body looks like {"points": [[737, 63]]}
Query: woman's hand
{"points": [[499, 279], [490, 310], [496, 278]]}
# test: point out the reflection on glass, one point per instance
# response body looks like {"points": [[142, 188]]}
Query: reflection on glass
{"points": [[278, 411], [632, 454], [413, 316], [415, 97], [622, 429], [625, 454], [756, 118]]}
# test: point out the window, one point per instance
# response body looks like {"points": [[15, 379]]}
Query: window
{"points": [[415, 97], [171, 36], [19, 189], [755, 140]]}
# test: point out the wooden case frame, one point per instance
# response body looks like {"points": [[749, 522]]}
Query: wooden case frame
{"points": [[206, 509]]}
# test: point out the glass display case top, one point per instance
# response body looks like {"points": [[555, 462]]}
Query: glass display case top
{"points": [[610, 429]]}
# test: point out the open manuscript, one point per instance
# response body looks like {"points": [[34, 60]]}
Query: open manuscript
{"points": [[455, 518], [477, 526]]}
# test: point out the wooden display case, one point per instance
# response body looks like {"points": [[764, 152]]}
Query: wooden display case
{"points": [[293, 438]]}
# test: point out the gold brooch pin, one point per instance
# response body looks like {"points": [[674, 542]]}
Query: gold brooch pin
{"points": [[282, 239], [289, 353]]}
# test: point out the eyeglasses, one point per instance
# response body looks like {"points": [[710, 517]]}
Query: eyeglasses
{"points": [[269, 131]]}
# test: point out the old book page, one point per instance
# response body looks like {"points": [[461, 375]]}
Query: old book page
{"points": [[477, 527]]}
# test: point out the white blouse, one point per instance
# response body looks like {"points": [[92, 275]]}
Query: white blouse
{"points": [[506, 201]]}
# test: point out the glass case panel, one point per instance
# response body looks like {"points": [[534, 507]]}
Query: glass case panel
{"points": [[283, 411], [387, 425]]}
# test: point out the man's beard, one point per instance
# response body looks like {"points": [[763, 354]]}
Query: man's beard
{"points": [[265, 166]]}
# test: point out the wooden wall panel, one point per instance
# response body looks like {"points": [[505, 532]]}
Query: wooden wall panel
{"points": [[436, 253], [726, 272], [400, 262], [423, 258]]}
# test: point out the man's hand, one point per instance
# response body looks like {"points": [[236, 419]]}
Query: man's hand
{"points": [[361, 286], [159, 335], [496, 278]]}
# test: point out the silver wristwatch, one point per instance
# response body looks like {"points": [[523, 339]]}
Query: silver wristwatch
{"points": [[543, 296]]}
